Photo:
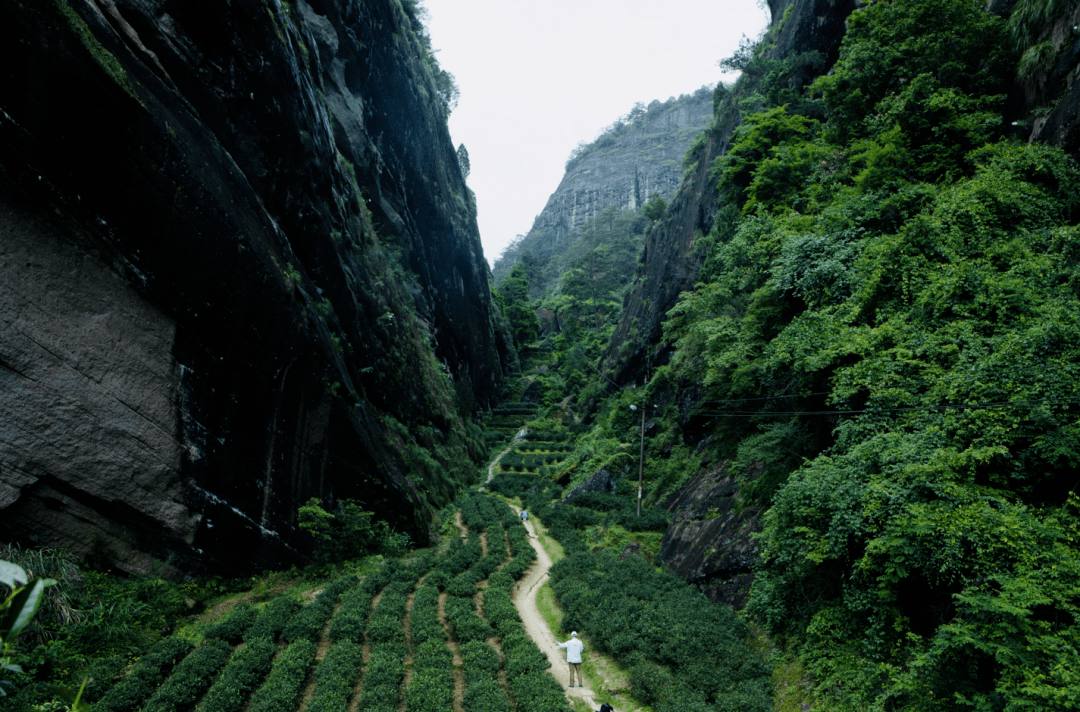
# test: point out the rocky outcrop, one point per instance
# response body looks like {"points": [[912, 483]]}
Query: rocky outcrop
{"points": [[670, 260], [239, 267], [709, 542], [601, 481], [623, 167]]}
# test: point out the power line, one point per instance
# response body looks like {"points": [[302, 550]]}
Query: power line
{"points": [[943, 380], [903, 409]]}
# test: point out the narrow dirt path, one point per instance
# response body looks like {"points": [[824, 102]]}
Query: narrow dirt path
{"points": [[516, 439], [524, 598]]}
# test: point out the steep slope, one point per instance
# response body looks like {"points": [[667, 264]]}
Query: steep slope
{"points": [[670, 260], [639, 155], [240, 268]]}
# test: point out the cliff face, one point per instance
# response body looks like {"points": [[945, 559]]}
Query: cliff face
{"points": [[624, 167], [239, 267], [670, 260]]}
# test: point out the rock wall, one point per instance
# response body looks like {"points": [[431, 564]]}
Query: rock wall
{"points": [[624, 167], [239, 267], [710, 541]]}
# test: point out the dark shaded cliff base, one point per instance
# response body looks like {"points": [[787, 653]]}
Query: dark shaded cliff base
{"points": [[709, 542], [239, 267]]}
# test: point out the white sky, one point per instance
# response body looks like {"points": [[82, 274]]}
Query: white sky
{"points": [[538, 76]]}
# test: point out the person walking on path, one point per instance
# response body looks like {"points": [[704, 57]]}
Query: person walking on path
{"points": [[573, 648], [524, 515]]}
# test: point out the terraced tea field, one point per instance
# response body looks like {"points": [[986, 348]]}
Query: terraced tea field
{"points": [[437, 633]]}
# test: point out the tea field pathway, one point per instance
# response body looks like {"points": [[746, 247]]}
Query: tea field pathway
{"points": [[524, 598], [515, 440]]}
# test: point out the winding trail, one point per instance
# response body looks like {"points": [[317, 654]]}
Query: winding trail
{"points": [[524, 598], [516, 439]]}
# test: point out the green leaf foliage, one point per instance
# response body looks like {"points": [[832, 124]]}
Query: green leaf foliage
{"points": [[336, 677], [281, 691], [232, 629], [190, 679], [885, 342], [273, 618], [311, 619], [145, 676], [245, 670]]}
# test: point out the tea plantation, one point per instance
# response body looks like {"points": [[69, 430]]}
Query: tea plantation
{"points": [[378, 644]]}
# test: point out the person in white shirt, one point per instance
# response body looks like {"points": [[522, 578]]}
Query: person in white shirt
{"points": [[573, 649]]}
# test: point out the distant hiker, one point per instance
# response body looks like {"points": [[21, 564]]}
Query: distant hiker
{"points": [[524, 515], [606, 708], [573, 649]]}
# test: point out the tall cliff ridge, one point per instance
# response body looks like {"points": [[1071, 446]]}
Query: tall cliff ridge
{"points": [[638, 155], [806, 34], [239, 267]]}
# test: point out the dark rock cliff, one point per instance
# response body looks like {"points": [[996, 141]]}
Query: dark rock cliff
{"points": [[670, 261], [239, 267], [710, 541], [623, 167]]}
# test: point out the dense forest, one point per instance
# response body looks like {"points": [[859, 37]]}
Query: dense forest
{"points": [[879, 355], [882, 348]]}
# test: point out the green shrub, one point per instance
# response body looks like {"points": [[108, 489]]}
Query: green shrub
{"points": [[309, 622], [244, 671], [382, 680], [481, 662], [145, 676], [424, 624], [191, 678], [351, 620], [336, 677], [485, 696], [281, 691], [102, 674], [234, 626], [273, 619], [464, 622], [432, 685]]}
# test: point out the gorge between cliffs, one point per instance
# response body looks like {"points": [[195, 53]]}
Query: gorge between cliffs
{"points": [[784, 372]]}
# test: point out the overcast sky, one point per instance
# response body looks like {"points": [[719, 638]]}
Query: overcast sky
{"points": [[537, 77]]}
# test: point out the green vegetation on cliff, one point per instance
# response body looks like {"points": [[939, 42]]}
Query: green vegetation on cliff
{"points": [[885, 333], [882, 348]]}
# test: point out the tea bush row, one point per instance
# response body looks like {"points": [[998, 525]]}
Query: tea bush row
{"points": [[273, 619], [351, 619], [637, 614], [432, 686], [281, 691], [233, 627], [424, 623], [554, 436], [386, 667], [482, 690], [465, 624], [336, 677], [538, 446], [385, 626], [145, 676], [191, 678], [309, 622], [519, 462], [244, 671], [382, 680]]}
